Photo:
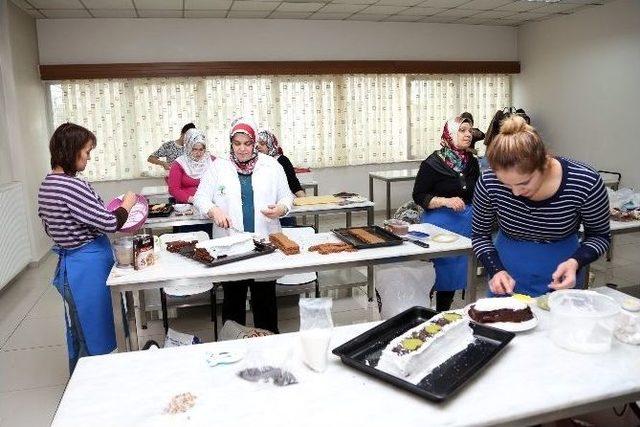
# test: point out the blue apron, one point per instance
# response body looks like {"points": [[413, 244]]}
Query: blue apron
{"points": [[451, 272], [84, 271], [531, 264]]}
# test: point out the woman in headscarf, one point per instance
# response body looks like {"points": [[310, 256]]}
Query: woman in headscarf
{"points": [[268, 144], [247, 193], [187, 170], [444, 189]]}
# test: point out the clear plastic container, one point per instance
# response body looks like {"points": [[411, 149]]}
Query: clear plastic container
{"points": [[123, 250], [628, 324], [582, 321]]}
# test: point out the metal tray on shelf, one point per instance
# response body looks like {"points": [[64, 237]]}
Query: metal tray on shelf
{"points": [[363, 353], [162, 213], [259, 250], [389, 238]]}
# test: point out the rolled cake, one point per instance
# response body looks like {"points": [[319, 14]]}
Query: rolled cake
{"points": [[414, 354]]}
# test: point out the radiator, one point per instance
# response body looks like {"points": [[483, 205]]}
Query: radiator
{"points": [[15, 251]]}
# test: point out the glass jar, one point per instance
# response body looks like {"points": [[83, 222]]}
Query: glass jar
{"points": [[628, 325], [123, 248]]}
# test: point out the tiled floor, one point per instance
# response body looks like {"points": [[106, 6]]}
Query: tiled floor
{"points": [[33, 356]]}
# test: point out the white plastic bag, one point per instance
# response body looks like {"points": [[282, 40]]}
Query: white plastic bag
{"points": [[315, 331], [403, 285], [177, 339]]}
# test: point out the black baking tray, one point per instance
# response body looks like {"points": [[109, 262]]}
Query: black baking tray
{"points": [[260, 249], [363, 353], [390, 239], [162, 213]]}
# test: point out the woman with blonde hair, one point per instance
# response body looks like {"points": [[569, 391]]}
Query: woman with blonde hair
{"points": [[539, 202]]}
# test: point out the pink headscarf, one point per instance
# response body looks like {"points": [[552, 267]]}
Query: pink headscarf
{"points": [[454, 157], [246, 126]]}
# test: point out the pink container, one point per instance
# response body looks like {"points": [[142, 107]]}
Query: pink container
{"points": [[137, 215]]}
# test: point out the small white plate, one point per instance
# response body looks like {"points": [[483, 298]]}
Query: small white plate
{"points": [[507, 326], [444, 238]]}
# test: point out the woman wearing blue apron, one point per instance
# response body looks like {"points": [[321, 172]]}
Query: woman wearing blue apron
{"points": [[74, 216], [539, 202], [444, 188]]}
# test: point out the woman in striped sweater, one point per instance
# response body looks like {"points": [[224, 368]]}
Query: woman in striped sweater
{"points": [[75, 218], [539, 202]]}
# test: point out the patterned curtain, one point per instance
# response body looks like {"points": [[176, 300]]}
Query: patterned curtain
{"points": [[320, 120], [436, 98]]}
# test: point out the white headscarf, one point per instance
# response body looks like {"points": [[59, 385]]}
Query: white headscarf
{"points": [[194, 168]]}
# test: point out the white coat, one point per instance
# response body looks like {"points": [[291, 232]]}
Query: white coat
{"points": [[220, 186]]}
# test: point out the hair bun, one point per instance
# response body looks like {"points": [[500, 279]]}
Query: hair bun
{"points": [[513, 124]]}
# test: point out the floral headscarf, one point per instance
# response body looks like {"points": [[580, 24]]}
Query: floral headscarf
{"points": [[272, 143], [246, 126], [192, 167], [454, 157]]}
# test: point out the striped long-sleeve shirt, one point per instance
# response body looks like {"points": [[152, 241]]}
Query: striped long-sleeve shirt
{"points": [[72, 212], [581, 198]]}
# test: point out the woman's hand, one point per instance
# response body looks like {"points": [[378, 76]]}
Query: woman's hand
{"points": [[219, 217], [565, 275], [455, 203], [129, 200], [501, 283], [274, 211], [166, 165]]}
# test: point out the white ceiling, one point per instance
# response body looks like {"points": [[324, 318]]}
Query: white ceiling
{"points": [[475, 12]]}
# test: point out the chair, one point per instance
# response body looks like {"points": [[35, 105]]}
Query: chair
{"points": [[298, 234], [186, 290], [611, 179]]}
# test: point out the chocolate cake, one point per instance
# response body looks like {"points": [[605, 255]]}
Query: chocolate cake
{"points": [[284, 243], [494, 310], [177, 245]]}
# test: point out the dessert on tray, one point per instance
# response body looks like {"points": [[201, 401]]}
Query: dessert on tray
{"points": [[315, 200], [499, 310], [331, 248], [284, 243], [414, 354], [365, 236]]}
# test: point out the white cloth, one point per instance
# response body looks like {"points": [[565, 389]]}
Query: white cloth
{"points": [[220, 186]]}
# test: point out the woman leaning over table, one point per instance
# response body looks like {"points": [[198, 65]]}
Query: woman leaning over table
{"points": [[267, 143], [539, 202], [248, 193], [186, 172], [75, 218], [444, 188]]}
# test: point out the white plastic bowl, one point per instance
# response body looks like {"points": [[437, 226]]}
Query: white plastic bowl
{"points": [[582, 321]]}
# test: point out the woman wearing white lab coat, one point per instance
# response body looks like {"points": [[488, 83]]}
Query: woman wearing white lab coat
{"points": [[248, 193]]}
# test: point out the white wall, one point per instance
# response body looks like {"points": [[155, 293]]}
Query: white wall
{"points": [[69, 41], [24, 113], [580, 83]]}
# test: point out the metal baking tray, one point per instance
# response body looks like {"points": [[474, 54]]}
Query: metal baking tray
{"points": [[390, 239], [363, 353], [162, 213], [260, 249]]}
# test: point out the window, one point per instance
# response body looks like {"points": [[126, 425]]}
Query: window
{"points": [[320, 120]]}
